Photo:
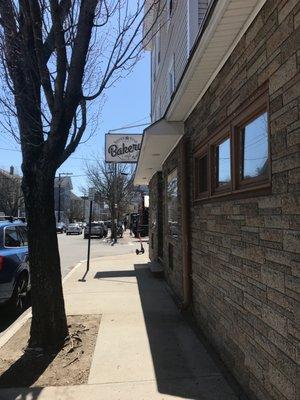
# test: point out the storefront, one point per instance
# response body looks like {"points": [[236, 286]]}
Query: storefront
{"points": [[223, 193]]}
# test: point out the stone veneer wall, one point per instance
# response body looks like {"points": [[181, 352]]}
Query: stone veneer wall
{"points": [[245, 253]]}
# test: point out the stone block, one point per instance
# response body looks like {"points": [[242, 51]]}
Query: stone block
{"points": [[282, 383], [286, 10], [273, 278], [286, 72], [274, 235], [283, 31], [291, 241], [274, 319]]}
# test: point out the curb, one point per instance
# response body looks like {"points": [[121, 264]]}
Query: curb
{"points": [[13, 329]]}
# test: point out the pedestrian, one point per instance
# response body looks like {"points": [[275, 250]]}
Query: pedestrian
{"points": [[125, 224]]}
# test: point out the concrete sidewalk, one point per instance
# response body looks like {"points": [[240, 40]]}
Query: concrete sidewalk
{"points": [[144, 350]]}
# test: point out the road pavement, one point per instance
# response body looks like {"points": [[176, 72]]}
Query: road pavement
{"points": [[73, 249]]}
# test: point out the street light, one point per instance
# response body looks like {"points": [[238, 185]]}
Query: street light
{"points": [[59, 185]]}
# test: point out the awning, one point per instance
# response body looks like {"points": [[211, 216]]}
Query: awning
{"points": [[158, 140]]}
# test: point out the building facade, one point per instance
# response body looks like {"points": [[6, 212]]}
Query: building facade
{"points": [[222, 163], [11, 195]]}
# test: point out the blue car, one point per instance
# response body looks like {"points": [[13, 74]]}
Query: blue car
{"points": [[14, 265]]}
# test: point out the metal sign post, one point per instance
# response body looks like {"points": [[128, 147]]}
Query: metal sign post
{"points": [[91, 198]]}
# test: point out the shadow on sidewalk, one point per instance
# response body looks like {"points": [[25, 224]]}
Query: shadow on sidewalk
{"points": [[114, 274], [183, 368], [25, 371]]}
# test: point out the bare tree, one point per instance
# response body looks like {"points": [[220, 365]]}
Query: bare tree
{"points": [[11, 197], [113, 185], [58, 56], [76, 211]]}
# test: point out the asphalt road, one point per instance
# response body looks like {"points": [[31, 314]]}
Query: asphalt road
{"points": [[73, 249]]}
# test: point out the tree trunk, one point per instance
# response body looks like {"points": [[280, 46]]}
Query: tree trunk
{"points": [[49, 324]]}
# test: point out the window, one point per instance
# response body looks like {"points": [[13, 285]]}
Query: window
{"points": [[171, 78], [236, 159], [221, 160], [172, 203], [157, 45], [22, 235], [153, 54], [11, 237], [201, 172], [170, 8], [254, 150]]}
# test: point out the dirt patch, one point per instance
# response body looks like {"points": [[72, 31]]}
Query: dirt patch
{"points": [[69, 366]]}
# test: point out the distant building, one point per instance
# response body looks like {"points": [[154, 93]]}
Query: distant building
{"points": [[11, 196], [62, 197]]}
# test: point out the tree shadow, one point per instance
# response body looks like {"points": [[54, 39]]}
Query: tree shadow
{"points": [[21, 394], [27, 369]]}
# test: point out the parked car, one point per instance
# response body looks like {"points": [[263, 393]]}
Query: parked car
{"points": [[60, 227], [14, 265], [105, 228], [97, 230], [108, 223], [74, 229]]}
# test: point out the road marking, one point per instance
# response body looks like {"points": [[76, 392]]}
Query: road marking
{"points": [[72, 271]]}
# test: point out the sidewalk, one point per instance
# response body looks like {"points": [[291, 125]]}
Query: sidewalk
{"points": [[144, 350]]}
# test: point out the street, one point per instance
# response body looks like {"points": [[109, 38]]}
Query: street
{"points": [[73, 249]]}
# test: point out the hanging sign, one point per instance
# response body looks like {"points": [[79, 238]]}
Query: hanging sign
{"points": [[122, 148]]}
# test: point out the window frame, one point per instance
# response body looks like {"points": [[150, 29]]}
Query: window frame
{"points": [[244, 120], [198, 156], [172, 171], [221, 137], [231, 128], [171, 77], [13, 227]]}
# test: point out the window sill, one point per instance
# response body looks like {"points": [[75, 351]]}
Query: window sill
{"points": [[259, 190]]}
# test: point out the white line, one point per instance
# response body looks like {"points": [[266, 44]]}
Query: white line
{"points": [[72, 271], [12, 329]]}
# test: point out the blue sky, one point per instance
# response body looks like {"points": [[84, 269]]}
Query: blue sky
{"points": [[126, 103]]}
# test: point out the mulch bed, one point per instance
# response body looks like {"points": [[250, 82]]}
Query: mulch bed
{"points": [[69, 366]]}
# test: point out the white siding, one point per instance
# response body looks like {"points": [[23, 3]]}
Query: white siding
{"points": [[177, 37], [173, 36]]}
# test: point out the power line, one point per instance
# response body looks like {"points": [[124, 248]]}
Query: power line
{"points": [[126, 127]]}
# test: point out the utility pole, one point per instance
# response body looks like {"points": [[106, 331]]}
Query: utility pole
{"points": [[59, 187]]}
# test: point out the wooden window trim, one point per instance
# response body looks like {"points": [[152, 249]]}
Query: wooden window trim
{"points": [[218, 139], [231, 128], [258, 180], [200, 154]]}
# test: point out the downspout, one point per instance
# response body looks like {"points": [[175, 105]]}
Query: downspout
{"points": [[185, 218]]}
